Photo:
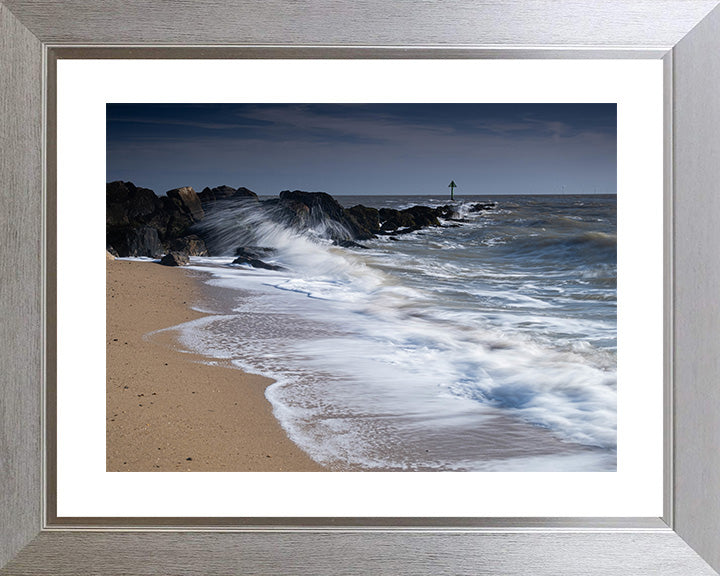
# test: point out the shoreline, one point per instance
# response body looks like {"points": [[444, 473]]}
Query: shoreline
{"points": [[166, 410]]}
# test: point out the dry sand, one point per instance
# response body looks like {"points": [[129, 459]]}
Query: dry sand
{"points": [[167, 411]]}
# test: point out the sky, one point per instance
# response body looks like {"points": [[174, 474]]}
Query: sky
{"points": [[363, 149]]}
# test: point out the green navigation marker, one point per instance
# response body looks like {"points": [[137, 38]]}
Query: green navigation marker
{"points": [[452, 187]]}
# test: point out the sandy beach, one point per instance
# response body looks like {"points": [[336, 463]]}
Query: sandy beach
{"points": [[167, 410]]}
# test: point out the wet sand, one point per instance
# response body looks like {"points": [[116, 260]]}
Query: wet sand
{"points": [[168, 411]]}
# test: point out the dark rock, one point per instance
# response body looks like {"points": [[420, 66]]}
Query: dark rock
{"points": [[161, 218], [218, 193], [191, 245], [366, 219], [130, 210], [175, 259], [482, 206], [446, 212], [116, 214], [325, 203], [178, 225], [177, 222], [209, 195], [422, 216], [143, 205], [112, 251], [318, 209], [256, 263], [144, 242], [243, 192], [254, 252], [187, 202], [408, 220], [129, 241], [290, 212], [126, 203], [118, 192], [349, 244], [392, 219]]}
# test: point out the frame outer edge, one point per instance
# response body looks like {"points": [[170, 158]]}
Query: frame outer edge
{"points": [[20, 169], [21, 284], [489, 554], [696, 113], [653, 23]]}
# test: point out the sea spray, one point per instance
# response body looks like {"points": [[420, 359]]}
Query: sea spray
{"points": [[230, 224]]}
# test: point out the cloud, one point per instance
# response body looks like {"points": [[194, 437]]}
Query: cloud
{"points": [[319, 142]]}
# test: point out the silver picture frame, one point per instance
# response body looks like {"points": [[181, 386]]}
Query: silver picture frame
{"points": [[685, 34]]}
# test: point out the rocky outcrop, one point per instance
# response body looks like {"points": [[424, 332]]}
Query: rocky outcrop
{"points": [[320, 202], [392, 220], [302, 210], [254, 252], [253, 255], [365, 218], [126, 204], [210, 195], [175, 259], [388, 221], [422, 216], [348, 244], [289, 212], [409, 219], [256, 263], [446, 212], [482, 206], [136, 242], [192, 245], [139, 223], [187, 202], [344, 226]]}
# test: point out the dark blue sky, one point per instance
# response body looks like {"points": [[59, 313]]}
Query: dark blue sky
{"points": [[366, 148]]}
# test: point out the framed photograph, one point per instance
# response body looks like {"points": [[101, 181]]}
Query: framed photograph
{"points": [[467, 337], [556, 406]]}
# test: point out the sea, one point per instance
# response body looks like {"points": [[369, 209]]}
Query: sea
{"points": [[486, 344]]}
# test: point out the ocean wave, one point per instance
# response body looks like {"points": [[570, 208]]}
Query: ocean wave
{"points": [[552, 245], [396, 357]]}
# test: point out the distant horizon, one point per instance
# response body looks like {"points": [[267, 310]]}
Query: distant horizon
{"points": [[458, 195], [366, 149]]}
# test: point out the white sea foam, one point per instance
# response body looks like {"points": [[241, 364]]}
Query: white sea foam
{"points": [[406, 357]]}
